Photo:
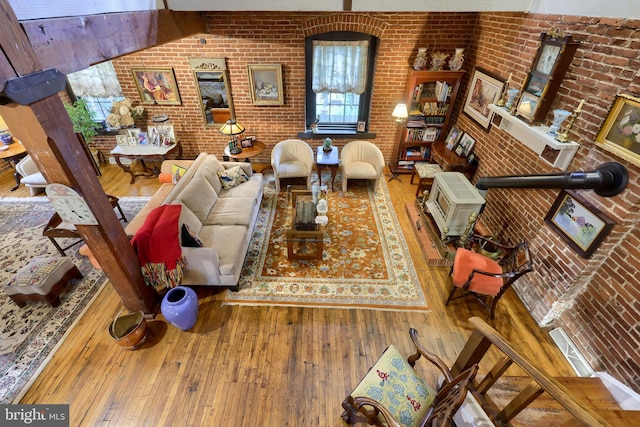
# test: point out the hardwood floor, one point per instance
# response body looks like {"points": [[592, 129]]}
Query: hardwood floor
{"points": [[258, 366]]}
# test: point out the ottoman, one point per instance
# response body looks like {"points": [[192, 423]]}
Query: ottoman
{"points": [[425, 172], [42, 280]]}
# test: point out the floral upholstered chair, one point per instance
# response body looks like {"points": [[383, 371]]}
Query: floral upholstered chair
{"points": [[394, 391]]}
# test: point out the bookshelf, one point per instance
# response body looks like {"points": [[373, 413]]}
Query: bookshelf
{"points": [[430, 97]]}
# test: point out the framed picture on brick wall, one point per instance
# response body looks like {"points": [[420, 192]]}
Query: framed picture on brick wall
{"points": [[485, 89], [266, 84], [620, 133], [578, 222], [156, 86]]}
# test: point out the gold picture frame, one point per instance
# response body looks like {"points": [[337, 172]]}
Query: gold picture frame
{"points": [[265, 82], [156, 86], [620, 133], [214, 90]]}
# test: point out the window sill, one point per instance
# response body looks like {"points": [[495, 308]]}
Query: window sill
{"points": [[337, 135]]}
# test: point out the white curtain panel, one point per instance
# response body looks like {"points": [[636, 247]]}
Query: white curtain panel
{"points": [[97, 81], [340, 66]]}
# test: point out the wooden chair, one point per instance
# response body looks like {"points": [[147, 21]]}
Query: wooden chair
{"points": [[394, 390], [485, 278]]}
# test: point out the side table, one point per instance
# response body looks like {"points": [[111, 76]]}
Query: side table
{"points": [[247, 153], [12, 155], [57, 229], [327, 159]]}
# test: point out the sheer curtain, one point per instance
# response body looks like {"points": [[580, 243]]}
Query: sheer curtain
{"points": [[97, 81], [340, 66]]}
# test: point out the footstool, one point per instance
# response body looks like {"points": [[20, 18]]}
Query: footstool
{"points": [[425, 171], [42, 280]]}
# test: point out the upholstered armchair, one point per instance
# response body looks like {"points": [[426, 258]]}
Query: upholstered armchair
{"points": [[393, 390], [31, 176], [485, 278], [361, 160], [292, 158]]}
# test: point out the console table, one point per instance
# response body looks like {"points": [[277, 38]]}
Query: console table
{"points": [[143, 154]]}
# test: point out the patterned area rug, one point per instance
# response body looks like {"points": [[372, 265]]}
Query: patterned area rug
{"points": [[365, 262], [29, 335]]}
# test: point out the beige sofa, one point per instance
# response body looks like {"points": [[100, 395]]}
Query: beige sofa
{"points": [[222, 218]]}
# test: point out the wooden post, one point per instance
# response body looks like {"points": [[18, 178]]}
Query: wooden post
{"points": [[46, 131]]}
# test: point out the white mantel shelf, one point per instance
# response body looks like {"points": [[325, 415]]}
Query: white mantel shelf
{"points": [[557, 154]]}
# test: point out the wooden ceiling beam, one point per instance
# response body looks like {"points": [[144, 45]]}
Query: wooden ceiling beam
{"points": [[74, 43]]}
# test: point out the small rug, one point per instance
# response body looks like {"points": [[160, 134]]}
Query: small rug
{"points": [[365, 262], [29, 335]]}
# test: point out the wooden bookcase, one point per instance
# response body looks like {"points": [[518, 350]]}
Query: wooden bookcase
{"points": [[430, 97]]}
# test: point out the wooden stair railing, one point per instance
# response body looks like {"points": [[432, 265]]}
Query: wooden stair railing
{"points": [[482, 339]]}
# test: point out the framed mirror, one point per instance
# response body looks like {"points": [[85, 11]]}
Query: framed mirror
{"points": [[214, 90]]}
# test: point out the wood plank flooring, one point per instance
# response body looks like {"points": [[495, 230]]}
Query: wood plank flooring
{"points": [[258, 366]]}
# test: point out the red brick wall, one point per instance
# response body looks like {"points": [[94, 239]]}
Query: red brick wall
{"points": [[595, 300]]}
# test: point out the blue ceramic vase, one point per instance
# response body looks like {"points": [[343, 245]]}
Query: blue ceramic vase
{"points": [[180, 307]]}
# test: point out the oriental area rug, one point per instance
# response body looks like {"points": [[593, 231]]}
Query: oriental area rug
{"points": [[365, 262], [30, 335]]}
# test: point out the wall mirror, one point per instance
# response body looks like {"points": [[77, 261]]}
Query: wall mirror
{"points": [[213, 89]]}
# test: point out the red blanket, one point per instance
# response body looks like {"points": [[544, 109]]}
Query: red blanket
{"points": [[158, 247]]}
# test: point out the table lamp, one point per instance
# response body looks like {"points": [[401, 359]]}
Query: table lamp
{"points": [[400, 113], [233, 129]]}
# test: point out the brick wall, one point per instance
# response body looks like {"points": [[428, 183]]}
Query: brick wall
{"points": [[595, 300]]}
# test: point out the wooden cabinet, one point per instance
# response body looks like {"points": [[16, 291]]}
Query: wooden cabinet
{"points": [[545, 76], [430, 97]]}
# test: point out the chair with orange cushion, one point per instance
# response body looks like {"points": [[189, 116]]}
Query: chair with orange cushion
{"points": [[484, 278]]}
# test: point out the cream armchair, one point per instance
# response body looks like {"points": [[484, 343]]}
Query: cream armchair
{"points": [[292, 158], [361, 160], [31, 176]]}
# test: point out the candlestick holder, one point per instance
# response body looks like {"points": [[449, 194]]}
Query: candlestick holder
{"points": [[564, 136], [503, 98]]}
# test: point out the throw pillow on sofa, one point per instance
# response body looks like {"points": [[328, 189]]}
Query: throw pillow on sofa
{"points": [[190, 239], [232, 177]]}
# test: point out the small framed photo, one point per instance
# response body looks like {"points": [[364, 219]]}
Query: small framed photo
{"points": [[122, 139], [133, 132], [246, 143], [485, 89], [620, 133], [578, 222], [155, 139], [465, 145], [266, 84], [142, 138], [166, 141], [133, 141], [361, 126], [453, 138]]}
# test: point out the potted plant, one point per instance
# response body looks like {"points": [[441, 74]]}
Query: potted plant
{"points": [[82, 120]]}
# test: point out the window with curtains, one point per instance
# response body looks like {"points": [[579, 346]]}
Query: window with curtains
{"points": [[99, 86], [339, 80]]}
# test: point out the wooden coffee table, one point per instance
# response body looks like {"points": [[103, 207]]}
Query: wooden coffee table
{"points": [[301, 234]]}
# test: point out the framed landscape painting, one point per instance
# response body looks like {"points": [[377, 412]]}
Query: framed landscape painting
{"points": [[620, 133], [485, 89], [579, 223]]}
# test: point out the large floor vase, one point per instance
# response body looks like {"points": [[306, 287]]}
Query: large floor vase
{"points": [[180, 307]]}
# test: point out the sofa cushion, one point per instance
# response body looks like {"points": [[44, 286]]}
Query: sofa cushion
{"points": [[232, 211], [189, 238], [232, 177], [251, 189], [178, 170], [209, 169], [230, 243], [199, 196]]}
